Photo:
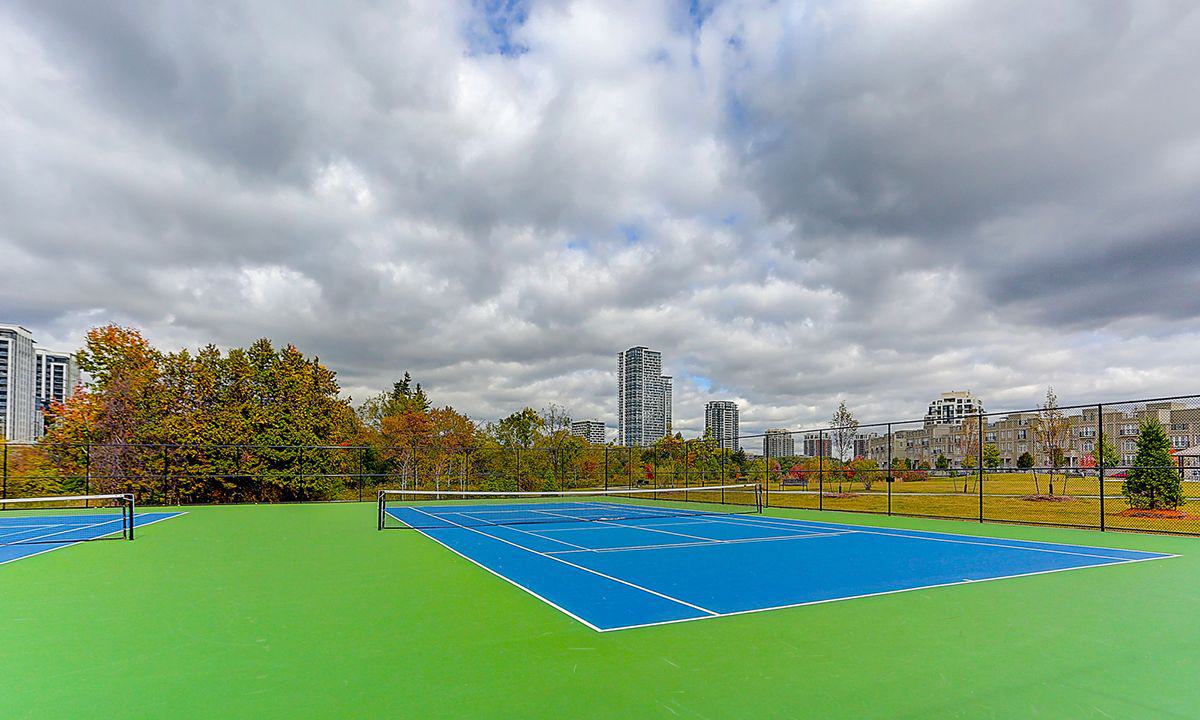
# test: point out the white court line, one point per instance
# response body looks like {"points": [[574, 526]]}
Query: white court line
{"points": [[596, 525], [585, 569], [60, 546], [548, 539], [1115, 561], [949, 538], [697, 544]]}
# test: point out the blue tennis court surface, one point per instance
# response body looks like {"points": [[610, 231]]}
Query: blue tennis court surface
{"points": [[22, 536], [613, 575]]}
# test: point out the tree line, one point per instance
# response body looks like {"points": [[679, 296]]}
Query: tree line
{"points": [[265, 424]]}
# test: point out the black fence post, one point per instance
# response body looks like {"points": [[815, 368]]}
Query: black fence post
{"points": [[1099, 456], [518, 479], [4, 487], [631, 466], [165, 485], [606, 468], [87, 469], [820, 469], [466, 469], [979, 461], [362, 471], [890, 478], [654, 466], [767, 471]]}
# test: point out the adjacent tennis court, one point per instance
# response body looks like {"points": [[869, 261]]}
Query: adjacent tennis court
{"points": [[631, 559], [32, 526]]}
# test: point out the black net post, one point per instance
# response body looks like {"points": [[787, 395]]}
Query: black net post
{"points": [[820, 469], [890, 477], [979, 462], [1098, 455]]}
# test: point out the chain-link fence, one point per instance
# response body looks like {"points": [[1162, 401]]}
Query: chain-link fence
{"points": [[1129, 466], [1046, 466]]}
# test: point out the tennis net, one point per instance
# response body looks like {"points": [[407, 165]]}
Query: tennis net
{"points": [[65, 519], [447, 509]]}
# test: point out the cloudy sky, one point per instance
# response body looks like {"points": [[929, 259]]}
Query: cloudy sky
{"points": [[796, 202]]}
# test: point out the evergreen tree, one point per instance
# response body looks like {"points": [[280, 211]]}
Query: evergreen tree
{"points": [[1025, 461], [1153, 482]]}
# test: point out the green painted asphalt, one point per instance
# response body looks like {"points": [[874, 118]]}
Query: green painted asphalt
{"points": [[305, 611]]}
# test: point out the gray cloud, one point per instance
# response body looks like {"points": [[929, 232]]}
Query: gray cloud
{"points": [[797, 203]]}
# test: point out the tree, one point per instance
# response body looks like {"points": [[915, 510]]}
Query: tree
{"points": [[197, 425], [402, 398], [1153, 483], [865, 471], [942, 463], [1109, 456], [843, 428], [967, 441], [1025, 461], [991, 456], [1052, 430]]}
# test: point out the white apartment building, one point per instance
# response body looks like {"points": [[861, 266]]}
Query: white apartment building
{"points": [[951, 407], [643, 397], [18, 409], [590, 430], [779, 442]]}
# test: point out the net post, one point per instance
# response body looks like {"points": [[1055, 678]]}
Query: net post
{"points": [[131, 503], [379, 510], [820, 469], [979, 462], [1099, 455]]}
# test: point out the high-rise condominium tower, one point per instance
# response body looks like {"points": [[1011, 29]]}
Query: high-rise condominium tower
{"points": [[643, 397], [721, 423]]}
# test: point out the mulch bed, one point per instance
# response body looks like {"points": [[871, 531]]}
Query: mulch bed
{"points": [[1157, 514], [1049, 498]]}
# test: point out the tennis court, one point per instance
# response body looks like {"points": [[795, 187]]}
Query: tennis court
{"points": [[627, 560], [32, 526]]}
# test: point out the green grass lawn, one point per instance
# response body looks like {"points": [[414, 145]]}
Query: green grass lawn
{"points": [[305, 611]]}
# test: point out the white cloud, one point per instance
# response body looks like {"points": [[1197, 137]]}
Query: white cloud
{"points": [[797, 203]]}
